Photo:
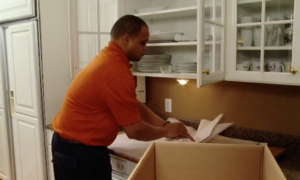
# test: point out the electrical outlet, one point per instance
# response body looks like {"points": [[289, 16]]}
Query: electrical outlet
{"points": [[168, 105]]}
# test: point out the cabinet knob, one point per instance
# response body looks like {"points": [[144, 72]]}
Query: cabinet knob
{"points": [[294, 70], [206, 71]]}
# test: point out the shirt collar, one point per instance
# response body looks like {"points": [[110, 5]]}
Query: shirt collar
{"points": [[120, 52]]}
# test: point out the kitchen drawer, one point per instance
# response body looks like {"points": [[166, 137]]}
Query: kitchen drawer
{"points": [[121, 165], [49, 136]]}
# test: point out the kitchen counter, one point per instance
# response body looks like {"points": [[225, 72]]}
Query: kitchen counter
{"points": [[289, 162]]}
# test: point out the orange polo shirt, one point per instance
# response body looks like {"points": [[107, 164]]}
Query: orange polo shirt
{"points": [[100, 99]]}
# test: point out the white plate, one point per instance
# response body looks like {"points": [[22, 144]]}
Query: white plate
{"points": [[152, 9], [150, 71], [163, 36]]}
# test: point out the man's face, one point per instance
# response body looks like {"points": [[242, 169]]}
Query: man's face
{"points": [[137, 45]]}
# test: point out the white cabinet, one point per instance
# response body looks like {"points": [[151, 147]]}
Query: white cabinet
{"points": [[28, 148], [23, 68], [263, 40], [188, 17], [202, 18], [11, 10], [4, 148], [25, 96]]}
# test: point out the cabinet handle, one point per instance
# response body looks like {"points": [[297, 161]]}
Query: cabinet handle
{"points": [[12, 103], [294, 70], [206, 71]]}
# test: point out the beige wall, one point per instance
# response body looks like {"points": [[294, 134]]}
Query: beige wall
{"points": [[264, 107]]}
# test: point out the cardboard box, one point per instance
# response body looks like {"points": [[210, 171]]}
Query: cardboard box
{"points": [[190, 161]]}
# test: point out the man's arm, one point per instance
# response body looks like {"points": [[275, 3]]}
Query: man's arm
{"points": [[149, 116], [145, 132]]}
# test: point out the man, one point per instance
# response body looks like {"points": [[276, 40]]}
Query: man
{"points": [[100, 99]]}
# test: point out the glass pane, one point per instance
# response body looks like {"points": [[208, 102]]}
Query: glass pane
{"points": [[87, 48], [218, 14], [87, 15], [279, 35], [279, 10], [208, 57], [108, 15], [278, 61], [245, 36], [248, 60], [104, 39], [248, 12], [208, 32], [218, 56], [208, 9], [218, 49]]}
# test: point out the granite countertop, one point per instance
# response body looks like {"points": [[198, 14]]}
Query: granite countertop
{"points": [[289, 162]]}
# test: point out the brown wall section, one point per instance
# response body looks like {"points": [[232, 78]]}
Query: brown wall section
{"points": [[264, 107]]}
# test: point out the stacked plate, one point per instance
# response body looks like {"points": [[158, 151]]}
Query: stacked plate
{"points": [[152, 63], [158, 36], [186, 67]]}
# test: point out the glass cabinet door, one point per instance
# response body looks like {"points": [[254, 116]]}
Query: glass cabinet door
{"points": [[264, 41], [213, 41]]}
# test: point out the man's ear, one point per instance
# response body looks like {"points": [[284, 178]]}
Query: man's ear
{"points": [[125, 39]]}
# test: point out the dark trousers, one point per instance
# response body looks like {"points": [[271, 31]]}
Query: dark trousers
{"points": [[79, 162]]}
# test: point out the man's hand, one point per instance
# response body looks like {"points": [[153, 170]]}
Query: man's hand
{"points": [[175, 130]]}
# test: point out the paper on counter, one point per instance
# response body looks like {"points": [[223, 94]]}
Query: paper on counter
{"points": [[206, 130]]}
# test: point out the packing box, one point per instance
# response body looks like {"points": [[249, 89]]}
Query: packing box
{"points": [[190, 161]]}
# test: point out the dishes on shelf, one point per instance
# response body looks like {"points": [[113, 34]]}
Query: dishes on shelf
{"points": [[186, 67], [152, 63], [185, 38], [163, 36], [152, 9]]}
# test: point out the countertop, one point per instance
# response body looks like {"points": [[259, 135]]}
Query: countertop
{"points": [[289, 161]]}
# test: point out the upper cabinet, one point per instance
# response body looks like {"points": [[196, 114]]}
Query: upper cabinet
{"points": [[187, 38], [11, 10], [176, 33], [263, 40], [191, 32]]}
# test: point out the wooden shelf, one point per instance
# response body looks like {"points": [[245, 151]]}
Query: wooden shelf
{"points": [[171, 75], [193, 43], [169, 13]]}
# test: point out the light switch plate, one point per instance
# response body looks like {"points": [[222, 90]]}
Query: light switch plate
{"points": [[168, 105]]}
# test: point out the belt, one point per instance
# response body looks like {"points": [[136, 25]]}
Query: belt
{"points": [[69, 141]]}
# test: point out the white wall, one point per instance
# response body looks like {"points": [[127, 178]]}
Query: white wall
{"points": [[55, 54]]}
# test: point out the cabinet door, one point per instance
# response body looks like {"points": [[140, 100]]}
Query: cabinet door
{"points": [[28, 148], [16, 9], [211, 49], [263, 41], [23, 69], [4, 148]]}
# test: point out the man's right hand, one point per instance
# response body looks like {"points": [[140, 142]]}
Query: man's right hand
{"points": [[175, 130]]}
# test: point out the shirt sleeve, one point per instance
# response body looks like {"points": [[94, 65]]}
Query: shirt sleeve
{"points": [[121, 99]]}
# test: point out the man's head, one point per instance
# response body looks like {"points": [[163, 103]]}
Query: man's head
{"points": [[131, 34]]}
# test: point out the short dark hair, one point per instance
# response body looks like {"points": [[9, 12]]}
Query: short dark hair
{"points": [[127, 24]]}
